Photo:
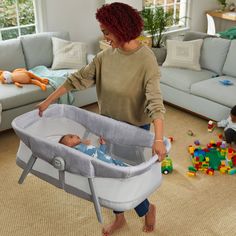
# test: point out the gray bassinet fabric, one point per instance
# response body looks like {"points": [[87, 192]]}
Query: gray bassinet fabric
{"points": [[115, 132]]}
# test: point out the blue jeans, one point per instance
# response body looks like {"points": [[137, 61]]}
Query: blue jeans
{"points": [[143, 207]]}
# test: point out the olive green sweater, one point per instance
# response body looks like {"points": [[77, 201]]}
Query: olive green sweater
{"points": [[127, 83]]}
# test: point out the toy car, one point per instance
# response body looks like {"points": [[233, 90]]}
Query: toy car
{"points": [[166, 166]]}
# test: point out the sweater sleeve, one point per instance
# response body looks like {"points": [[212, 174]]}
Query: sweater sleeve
{"points": [[83, 78], [154, 106]]}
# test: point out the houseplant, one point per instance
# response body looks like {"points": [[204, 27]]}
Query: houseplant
{"points": [[156, 21], [223, 4]]}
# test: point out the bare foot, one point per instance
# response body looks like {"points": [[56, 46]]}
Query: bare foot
{"points": [[150, 219], [117, 224]]}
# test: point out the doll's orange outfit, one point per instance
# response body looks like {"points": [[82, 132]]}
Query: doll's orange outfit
{"points": [[22, 76]]}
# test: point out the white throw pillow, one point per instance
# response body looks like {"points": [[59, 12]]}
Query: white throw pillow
{"points": [[183, 54], [68, 55]]}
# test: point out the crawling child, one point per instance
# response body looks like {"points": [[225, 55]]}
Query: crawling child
{"points": [[229, 127], [74, 141]]}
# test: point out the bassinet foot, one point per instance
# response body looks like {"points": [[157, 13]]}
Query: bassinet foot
{"points": [[27, 169]]}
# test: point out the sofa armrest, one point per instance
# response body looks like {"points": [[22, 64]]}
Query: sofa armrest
{"points": [[90, 58]]}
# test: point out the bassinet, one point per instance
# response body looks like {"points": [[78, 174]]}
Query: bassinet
{"points": [[106, 185]]}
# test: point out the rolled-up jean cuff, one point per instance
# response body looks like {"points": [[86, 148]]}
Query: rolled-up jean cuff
{"points": [[141, 209]]}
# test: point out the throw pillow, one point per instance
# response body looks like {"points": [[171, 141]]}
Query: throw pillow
{"points": [[68, 55], [183, 54]]}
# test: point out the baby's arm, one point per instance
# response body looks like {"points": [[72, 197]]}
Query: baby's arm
{"points": [[86, 141], [103, 146], [222, 123]]}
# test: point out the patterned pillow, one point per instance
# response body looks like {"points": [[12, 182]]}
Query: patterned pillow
{"points": [[68, 55], [183, 54]]}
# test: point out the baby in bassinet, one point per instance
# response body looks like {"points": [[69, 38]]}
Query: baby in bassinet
{"points": [[74, 141]]}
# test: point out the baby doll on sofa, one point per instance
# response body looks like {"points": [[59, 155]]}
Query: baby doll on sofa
{"points": [[22, 76]]}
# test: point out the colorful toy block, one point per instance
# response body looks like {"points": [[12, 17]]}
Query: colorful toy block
{"points": [[215, 156], [232, 171], [210, 171], [196, 142], [191, 173], [210, 126]]}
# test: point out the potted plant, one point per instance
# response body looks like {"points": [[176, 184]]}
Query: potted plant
{"points": [[223, 4], [156, 21]]}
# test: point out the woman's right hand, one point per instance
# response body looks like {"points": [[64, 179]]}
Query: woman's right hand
{"points": [[51, 98], [42, 107]]}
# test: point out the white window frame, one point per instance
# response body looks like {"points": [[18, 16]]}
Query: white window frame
{"points": [[39, 13], [184, 12]]}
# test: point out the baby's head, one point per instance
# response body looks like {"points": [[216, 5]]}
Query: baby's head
{"points": [[70, 140], [233, 114]]}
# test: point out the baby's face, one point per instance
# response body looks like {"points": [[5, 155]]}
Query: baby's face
{"points": [[71, 140], [233, 118]]}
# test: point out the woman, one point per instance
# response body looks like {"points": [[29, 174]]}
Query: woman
{"points": [[127, 83]]}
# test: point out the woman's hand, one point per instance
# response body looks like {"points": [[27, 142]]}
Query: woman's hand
{"points": [[50, 99], [43, 106], [159, 148]]}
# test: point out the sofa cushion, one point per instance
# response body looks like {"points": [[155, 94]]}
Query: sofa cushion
{"points": [[213, 54], [182, 78], [12, 56], [213, 90], [12, 96], [229, 66], [38, 48]]}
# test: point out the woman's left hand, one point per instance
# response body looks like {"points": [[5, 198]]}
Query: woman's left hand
{"points": [[159, 148]]}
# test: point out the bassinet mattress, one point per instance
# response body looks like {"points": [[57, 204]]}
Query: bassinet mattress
{"points": [[116, 187]]}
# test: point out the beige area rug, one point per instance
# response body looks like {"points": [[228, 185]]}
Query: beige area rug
{"points": [[186, 206]]}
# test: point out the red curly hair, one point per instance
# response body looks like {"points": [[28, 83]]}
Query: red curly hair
{"points": [[121, 20]]}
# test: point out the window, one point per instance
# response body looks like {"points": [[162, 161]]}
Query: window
{"points": [[179, 9], [17, 17]]}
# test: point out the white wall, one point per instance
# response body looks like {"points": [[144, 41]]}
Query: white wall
{"points": [[78, 18], [75, 16], [198, 8]]}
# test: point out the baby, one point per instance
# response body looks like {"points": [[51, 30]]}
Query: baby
{"points": [[74, 141], [229, 127]]}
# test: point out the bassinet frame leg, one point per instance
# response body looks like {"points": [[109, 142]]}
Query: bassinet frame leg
{"points": [[96, 203], [27, 169]]}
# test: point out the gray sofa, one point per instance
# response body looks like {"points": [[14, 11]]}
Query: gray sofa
{"points": [[200, 91], [27, 52]]}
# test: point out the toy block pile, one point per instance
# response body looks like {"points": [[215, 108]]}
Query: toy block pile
{"points": [[215, 156]]}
